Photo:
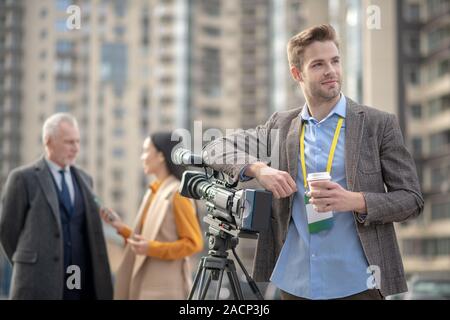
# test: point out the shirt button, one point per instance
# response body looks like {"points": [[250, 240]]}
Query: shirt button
{"points": [[313, 255], [56, 258]]}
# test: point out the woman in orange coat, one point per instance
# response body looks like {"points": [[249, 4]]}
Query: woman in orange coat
{"points": [[166, 232]]}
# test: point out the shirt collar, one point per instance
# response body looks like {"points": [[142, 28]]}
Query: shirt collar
{"points": [[339, 109], [55, 167]]}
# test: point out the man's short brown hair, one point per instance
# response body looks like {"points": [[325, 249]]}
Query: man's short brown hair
{"points": [[297, 44]]}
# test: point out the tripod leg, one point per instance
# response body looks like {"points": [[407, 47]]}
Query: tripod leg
{"points": [[202, 281], [235, 285], [206, 287], [196, 279], [219, 284]]}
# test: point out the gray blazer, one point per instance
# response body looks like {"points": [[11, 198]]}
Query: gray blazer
{"points": [[376, 163], [31, 235]]}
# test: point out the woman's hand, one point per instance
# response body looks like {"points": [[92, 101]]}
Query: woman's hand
{"points": [[138, 244], [111, 218]]}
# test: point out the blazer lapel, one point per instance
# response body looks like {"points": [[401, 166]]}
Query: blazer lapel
{"points": [[87, 195], [354, 125], [143, 207], [292, 147], [293, 150], [157, 211], [48, 187]]}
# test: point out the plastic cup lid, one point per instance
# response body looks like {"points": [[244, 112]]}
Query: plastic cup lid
{"points": [[319, 176]]}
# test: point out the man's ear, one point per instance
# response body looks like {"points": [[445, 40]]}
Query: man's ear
{"points": [[47, 141], [296, 74], [161, 156]]}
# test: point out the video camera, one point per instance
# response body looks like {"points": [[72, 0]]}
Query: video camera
{"points": [[241, 213]]}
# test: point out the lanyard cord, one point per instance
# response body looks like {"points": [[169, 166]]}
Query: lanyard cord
{"points": [[331, 154]]}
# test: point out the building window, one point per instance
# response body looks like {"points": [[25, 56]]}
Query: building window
{"points": [[212, 31], [118, 132], [64, 85], [412, 12], [166, 59], [211, 72], [440, 177], [440, 141], [118, 153], [444, 68], [62, 107], [120, 7], [43, 34], [436, 7], [119, 113], [60, 25], [64, 47], [62, 5], [43, 12], [114, 65], [413, 76], [119, 31], [428, 247], [145, 27], [117, 175], [417, 146], [211, 7], [211, 111], [166, 101], [440, 211], [63, 66], [416, 111]]}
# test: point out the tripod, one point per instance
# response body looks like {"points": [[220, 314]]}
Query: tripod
{"points": [[216, 263]]}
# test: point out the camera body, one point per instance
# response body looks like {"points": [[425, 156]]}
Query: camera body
{"points": [[242, 213]]}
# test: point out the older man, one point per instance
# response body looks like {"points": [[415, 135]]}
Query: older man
{"points": [[50, 228]]}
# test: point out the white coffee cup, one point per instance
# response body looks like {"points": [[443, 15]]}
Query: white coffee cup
{"points": [[319, 176]]}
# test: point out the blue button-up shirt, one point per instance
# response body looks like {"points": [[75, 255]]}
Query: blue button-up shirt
{"points": [[331, 263]]}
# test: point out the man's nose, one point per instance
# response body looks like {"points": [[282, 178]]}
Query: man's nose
{"points": [[329, 69]]}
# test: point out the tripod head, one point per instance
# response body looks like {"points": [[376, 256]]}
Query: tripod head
{"points": [[220, 242]]}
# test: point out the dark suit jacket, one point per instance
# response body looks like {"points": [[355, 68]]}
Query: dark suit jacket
{"points": [[31, 235], [376, 162]]}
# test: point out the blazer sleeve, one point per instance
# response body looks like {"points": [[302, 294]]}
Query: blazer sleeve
{"points": [[232, 153], [13, 211], [190, 240], [403, 198]]}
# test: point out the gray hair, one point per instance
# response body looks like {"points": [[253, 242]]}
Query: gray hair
{"points": [[51, 124]]}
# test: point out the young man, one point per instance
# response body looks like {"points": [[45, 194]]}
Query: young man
{"points": [[50, 227], [374, 184]]}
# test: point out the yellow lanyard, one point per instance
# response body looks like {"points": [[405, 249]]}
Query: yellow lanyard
{"points": [[330, 156]]}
